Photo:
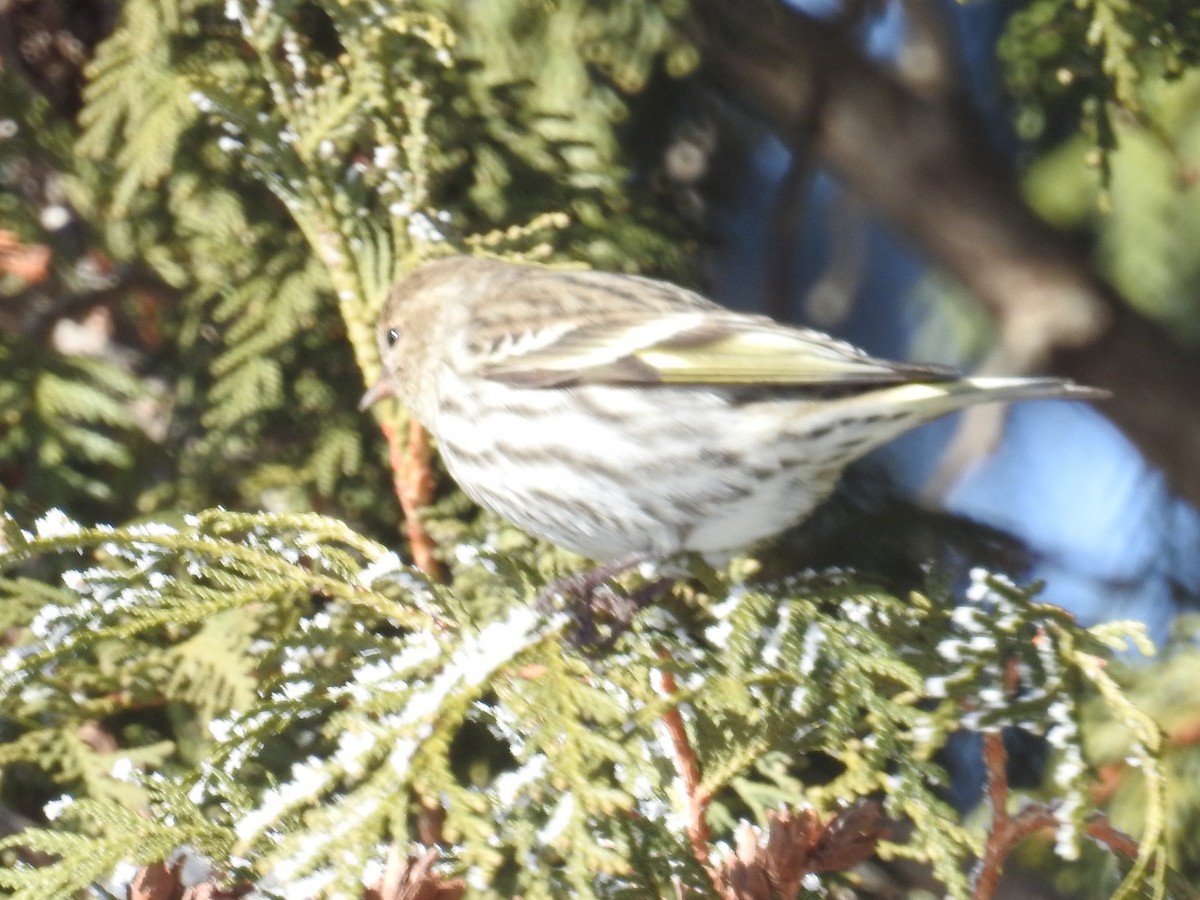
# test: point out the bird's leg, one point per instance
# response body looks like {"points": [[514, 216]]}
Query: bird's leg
{"points": [[619, 609], [586, 594]]}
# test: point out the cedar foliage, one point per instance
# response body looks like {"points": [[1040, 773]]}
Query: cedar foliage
{"points": [[334, 688], [279, 691]]}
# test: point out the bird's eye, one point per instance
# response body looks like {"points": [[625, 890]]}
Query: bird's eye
{"points": [[392, 336]]}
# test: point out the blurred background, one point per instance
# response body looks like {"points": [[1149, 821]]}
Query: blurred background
{"points": [[1105, 527], [798, 230], [1105, 517]]}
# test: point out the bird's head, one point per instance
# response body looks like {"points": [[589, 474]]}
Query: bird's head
{"points": [[416, 330]]}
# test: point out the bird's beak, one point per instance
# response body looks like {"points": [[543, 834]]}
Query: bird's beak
{"points": [[375, 393]]}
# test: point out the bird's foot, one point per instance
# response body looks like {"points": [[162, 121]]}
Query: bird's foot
{"points": [[599, 613]]}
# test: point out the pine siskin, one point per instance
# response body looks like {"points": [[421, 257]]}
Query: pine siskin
{"points": [[621, 417]]}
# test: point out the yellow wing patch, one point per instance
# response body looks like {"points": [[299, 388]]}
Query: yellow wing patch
{"points": [[702, 348]]}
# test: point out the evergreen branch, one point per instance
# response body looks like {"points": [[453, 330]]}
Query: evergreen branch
{"points": [[1151, 860], [495, 240], [384, 712], [1007, 831], [83, 860], [248, 559], [315, 528], [361, 267]]}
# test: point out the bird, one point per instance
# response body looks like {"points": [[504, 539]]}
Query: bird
{"points": [[627, 419]]}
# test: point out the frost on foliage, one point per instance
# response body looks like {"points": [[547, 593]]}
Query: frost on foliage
{"points": [[379, 702], [321, 703]]}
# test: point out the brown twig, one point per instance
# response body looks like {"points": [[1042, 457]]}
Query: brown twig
{"points": [[995, 760], [688, 768], [412, 470], [987, 872], [1008, 831], [1100, 829]]}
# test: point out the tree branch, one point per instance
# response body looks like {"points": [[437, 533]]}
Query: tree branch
{"points": [[1007, 831], [688, 769], [412, 472]]}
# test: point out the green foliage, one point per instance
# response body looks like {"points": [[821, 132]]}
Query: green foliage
{"points": [[281, 692], [1115, 87], [270, 169], [110, 835], [1164, 691], [68, 428], [546, 761], [270, 633], [1151, 205], [1093, 60]]}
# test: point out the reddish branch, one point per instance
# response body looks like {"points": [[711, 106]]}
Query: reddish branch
{"points": [[916, 157], [1100, 829], [688, 768], [1008, 831], [412, 468]]}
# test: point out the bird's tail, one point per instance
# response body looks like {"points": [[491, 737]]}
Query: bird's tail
{"points": [[928, 400], [891, 411], [985, 389]]}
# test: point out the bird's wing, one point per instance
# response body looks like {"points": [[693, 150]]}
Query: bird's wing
{"points": [[700, 346]]}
